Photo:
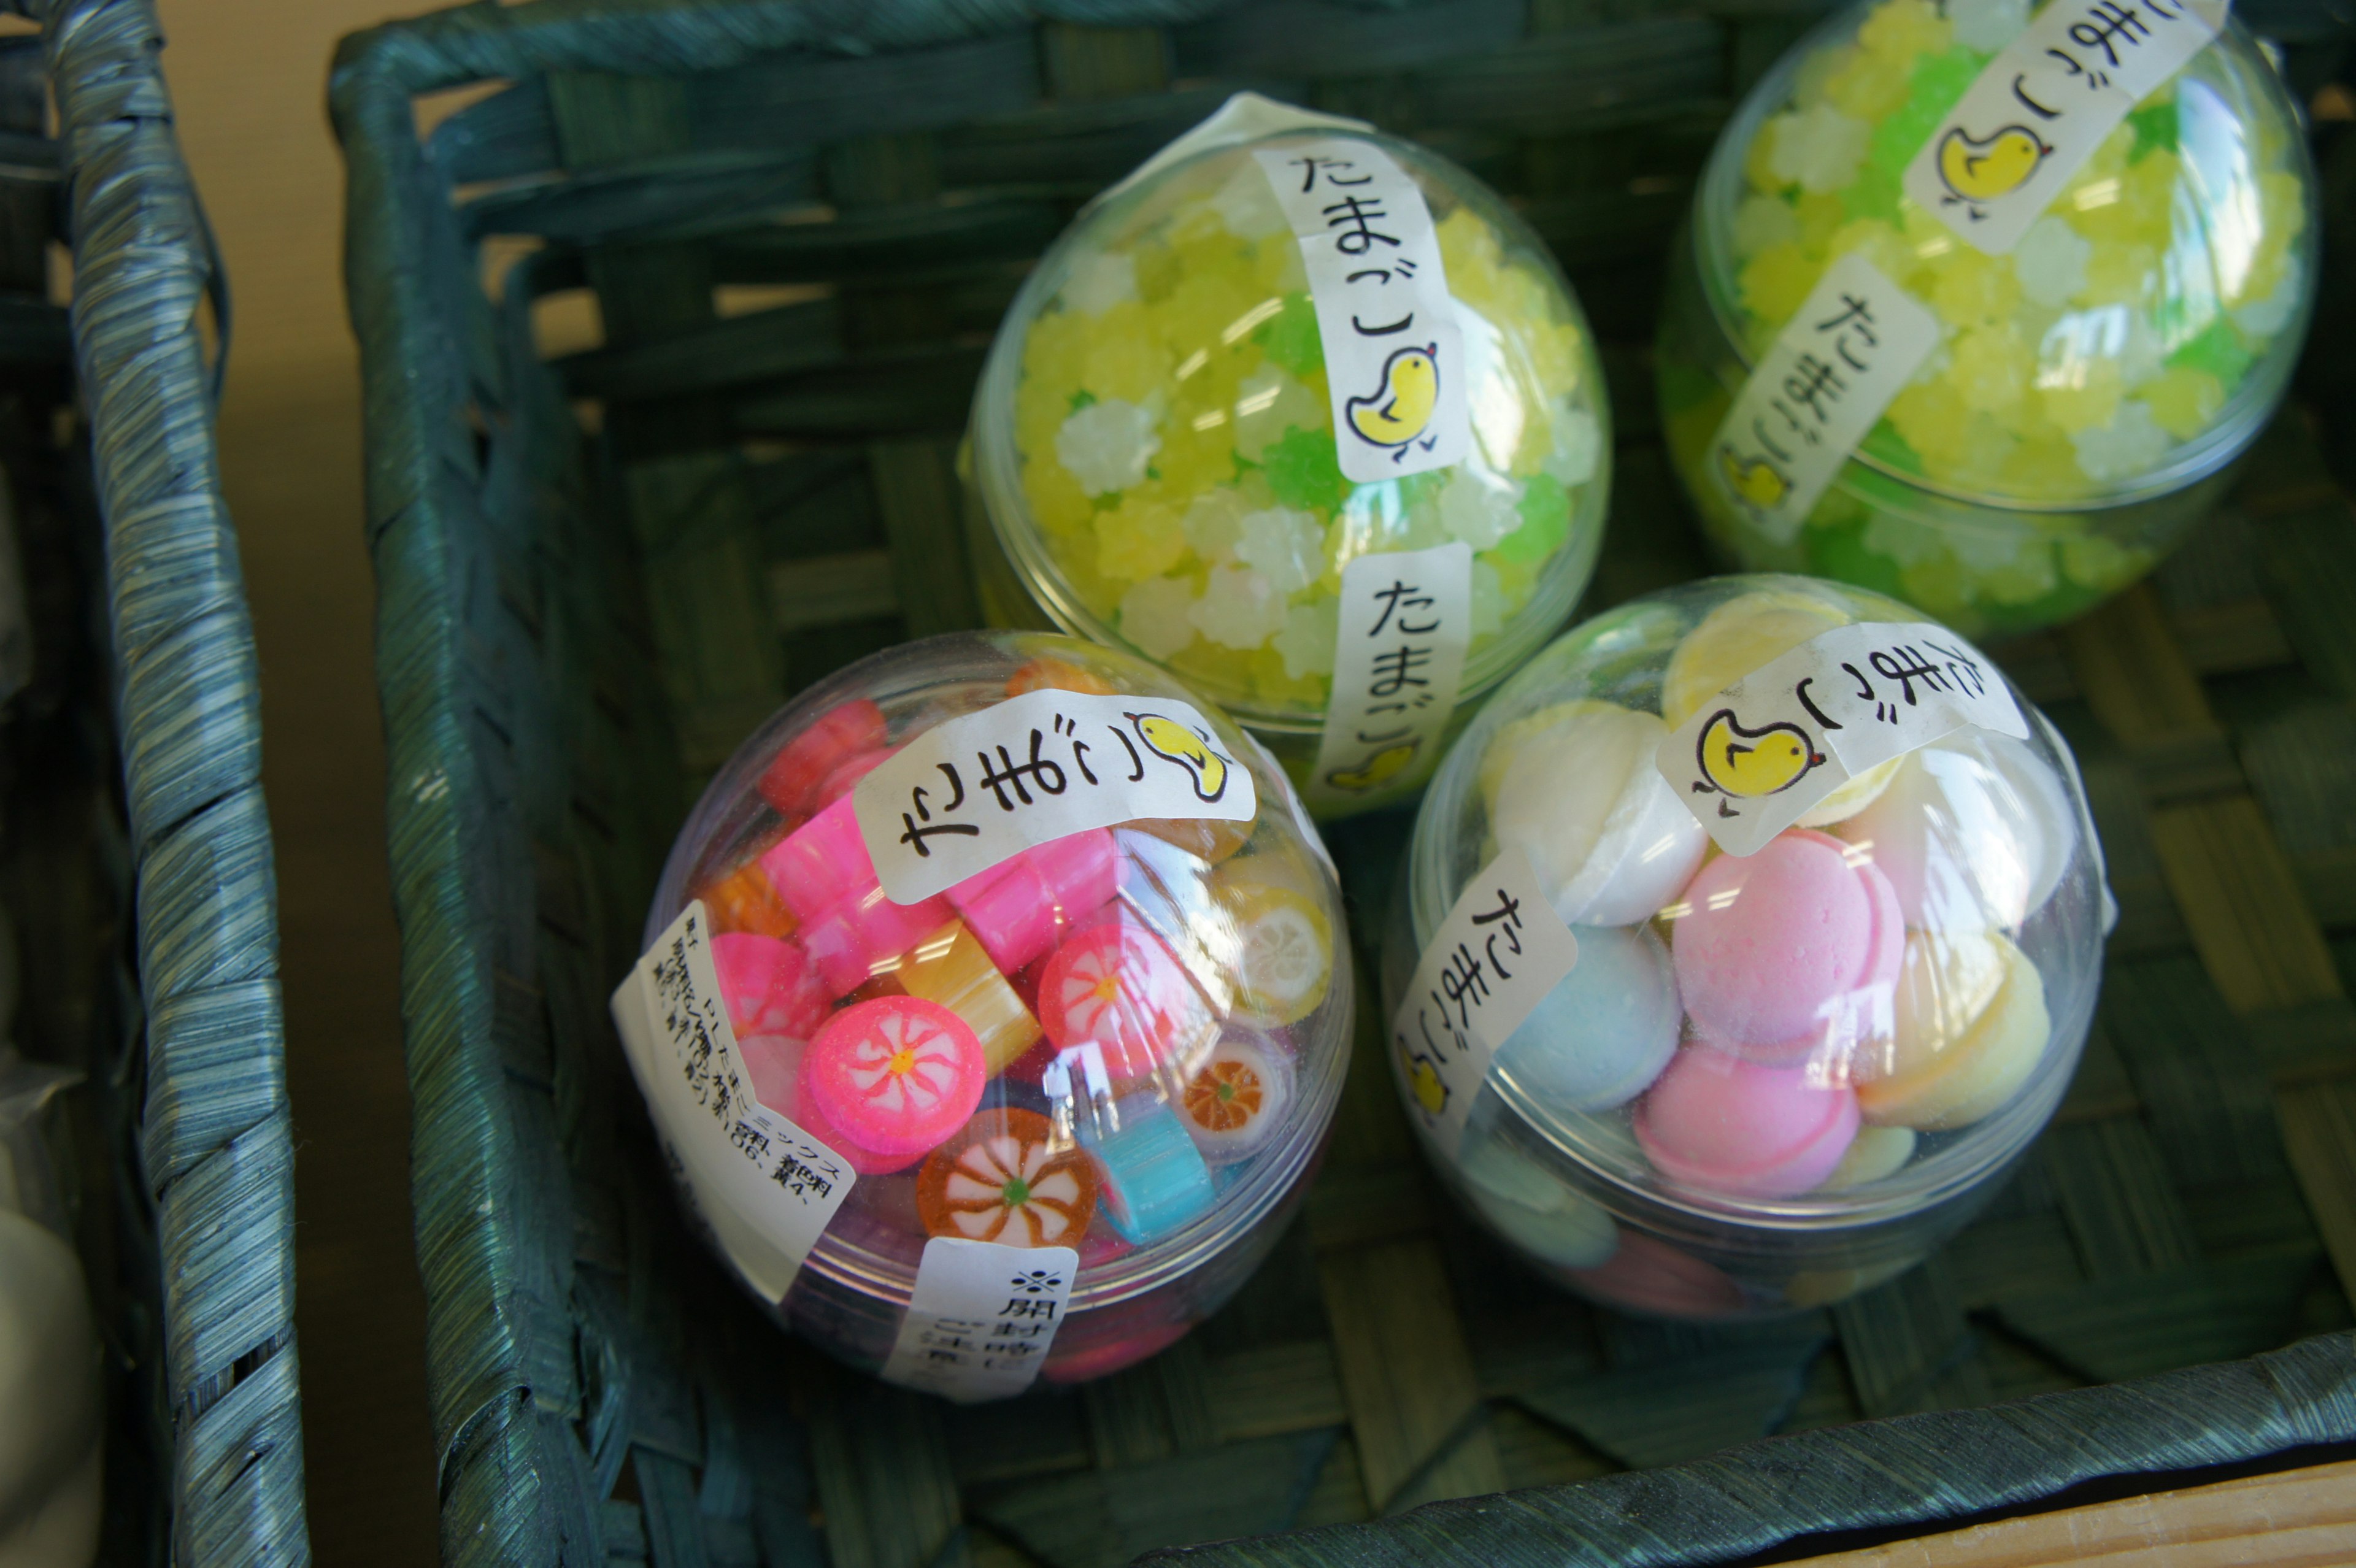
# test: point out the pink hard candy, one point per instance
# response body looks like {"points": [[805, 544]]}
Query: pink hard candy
{"points": [[1019, 910], [896, 1075], [1117, 985], [1777, 952], [773, 1062], [766, 985], [1720, 1124], [821, 863], [862, 936]]}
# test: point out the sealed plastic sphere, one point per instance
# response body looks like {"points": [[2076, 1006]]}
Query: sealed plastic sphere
{"points": [[1127, 1039], [1153, 443], [1769, 1079], [2090, 387]]}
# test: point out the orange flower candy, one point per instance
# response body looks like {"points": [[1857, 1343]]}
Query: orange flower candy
{"points": [[1236, 1100], [1005, 1180]]}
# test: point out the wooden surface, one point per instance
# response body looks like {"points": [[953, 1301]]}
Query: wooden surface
{"points": [[247, 77], [2276, 1521]]}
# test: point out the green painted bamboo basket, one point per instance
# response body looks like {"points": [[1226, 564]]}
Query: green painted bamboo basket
{"points": [[134, 848], [602, 556]]}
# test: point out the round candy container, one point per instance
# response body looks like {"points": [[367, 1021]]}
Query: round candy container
{"points": [[1771, 1078], [1102, 1007], [2107, 301], [1155, 438]]}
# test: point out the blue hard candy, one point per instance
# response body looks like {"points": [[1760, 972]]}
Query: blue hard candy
{"points": [[1155, 1180]]}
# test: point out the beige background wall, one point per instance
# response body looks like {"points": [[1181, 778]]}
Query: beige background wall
{"points": [[249, 78]]}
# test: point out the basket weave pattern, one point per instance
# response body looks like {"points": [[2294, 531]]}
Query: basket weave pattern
{"points": [[599, 569]]}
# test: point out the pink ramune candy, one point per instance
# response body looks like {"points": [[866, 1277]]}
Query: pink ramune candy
{"points": [[896, 1075]]}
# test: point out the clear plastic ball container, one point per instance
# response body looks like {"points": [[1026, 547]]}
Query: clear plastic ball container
{"points": [[1128, 1040], [1152, 444], [1773, 1080], [2090, 388]]}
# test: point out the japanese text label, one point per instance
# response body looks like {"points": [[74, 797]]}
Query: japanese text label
{"points": [[765, 1187], [981, 1319], [1755, 757], [1393, 356], [1405, 620], [1820, 388], [2039, 109], [968, 794], [1499, 951]]}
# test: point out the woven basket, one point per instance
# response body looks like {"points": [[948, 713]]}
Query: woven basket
{"points": [[134, 770], [598, 569]]}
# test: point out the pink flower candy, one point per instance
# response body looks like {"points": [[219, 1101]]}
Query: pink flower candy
{"points": [[895, 1075]]}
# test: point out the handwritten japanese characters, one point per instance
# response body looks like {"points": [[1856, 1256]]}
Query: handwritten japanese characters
{"points": [[1818, 389], [981, 1319], [2039, 109], [1493, 959], [768, 1188], [1393, 356], [1405, 618], [1753, 759], [969, 793]]}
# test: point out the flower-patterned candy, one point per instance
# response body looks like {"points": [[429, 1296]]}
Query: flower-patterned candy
{"points": [[1005, 1180], [896, 1074], [1117, 985], [1236, 1100]]}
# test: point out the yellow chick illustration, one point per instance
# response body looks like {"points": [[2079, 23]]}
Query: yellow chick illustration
{"points": [[1424, 1082], [1982, 169], [1403, 404], [1754, 479], [1379, 769], [1169, 738], [1750, 762]]}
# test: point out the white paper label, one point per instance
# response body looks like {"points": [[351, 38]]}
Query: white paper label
{"points": [[1244, 117], [2033, 117], [766, 1186], [968, 794], [1394, 356], [1755, 758], [1405, 620], [981, 1319], [1499, 951], [1834, 366]]}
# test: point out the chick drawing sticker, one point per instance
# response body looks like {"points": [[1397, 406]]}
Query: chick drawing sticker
{"points": [[1741, 764], [1171, 740], [1398, 412], [1394, 353], [2036, 112], [970, 792], [1753, 759], [1977, 169], [1815, 392]]}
